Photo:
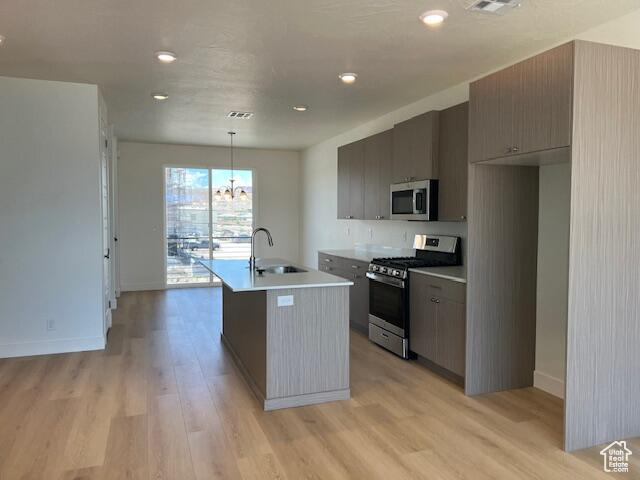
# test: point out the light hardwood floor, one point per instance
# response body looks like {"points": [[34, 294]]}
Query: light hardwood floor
{"points": [[164, 401]]}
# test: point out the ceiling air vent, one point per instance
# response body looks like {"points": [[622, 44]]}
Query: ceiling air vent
{"points": [[493, 6], [241, 115]]}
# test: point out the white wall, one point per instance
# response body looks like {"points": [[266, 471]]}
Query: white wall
{"points": [[50, 230], [553, 271], [141, 206]]}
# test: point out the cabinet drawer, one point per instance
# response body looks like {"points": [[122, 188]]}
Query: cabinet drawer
{"points": [[441, 287], [330, 261]]}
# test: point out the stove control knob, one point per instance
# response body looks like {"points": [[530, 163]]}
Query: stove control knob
{"points": [[396, 273], [383, 270]]}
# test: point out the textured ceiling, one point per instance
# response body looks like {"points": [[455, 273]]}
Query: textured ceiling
{"points": [[265, 56]]}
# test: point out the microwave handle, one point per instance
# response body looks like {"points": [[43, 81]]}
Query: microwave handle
{"points": [[418, 204]]}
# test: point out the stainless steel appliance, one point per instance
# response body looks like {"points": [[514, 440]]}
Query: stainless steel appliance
{"points": [[389, 321], [415, 201]]}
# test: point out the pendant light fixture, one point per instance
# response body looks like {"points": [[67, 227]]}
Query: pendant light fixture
{"points": [[230, 191]]}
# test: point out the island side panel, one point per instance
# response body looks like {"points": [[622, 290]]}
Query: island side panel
{"points": [[244, 326], [308, 342]]}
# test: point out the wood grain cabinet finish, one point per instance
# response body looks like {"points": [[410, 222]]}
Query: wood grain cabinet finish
{"points": [[524, 108], [453, 169], [438, 321], [351, 180], [422, 336], [355, 271], [377, 175], [415, 148]]}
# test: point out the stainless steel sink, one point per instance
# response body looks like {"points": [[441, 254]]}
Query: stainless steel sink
{"points": [[281, 269]]}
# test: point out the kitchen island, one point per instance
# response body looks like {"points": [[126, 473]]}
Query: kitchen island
{"points": [[287, 328]]}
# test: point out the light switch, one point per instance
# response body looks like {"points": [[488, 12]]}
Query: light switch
{"points": [[285, 300]]}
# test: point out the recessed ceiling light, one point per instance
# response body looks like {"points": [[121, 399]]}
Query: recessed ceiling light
{"points": [[300, 108], [166, 57], [433, 18], [160, 96], [348, 77], [2, 39]]}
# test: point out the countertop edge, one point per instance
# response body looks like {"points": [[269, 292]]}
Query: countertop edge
{"points": [[346, 283], [440, 275]]}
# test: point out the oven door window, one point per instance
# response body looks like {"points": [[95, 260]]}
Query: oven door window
{"points": [[387, 303], [402, 202]]}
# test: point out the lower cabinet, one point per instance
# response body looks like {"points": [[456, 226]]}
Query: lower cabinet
{"points": [[438, 321], [355, 271]]}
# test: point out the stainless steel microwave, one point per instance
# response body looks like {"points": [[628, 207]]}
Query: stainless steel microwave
{"points": [[415, 201]]}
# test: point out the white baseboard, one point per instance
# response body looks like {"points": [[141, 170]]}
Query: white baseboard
{"points": [[549, 384], [141, 287], [48, 347]]}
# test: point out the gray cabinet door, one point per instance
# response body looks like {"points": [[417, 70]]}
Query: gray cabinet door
{"points": [[424, 146], [544, 106], [451, 332], [453, 168], [423, 334], [524, 108], [438, 321], [491, 114], [401, 160], [359, 302], [351, 180], [356, 180], [344, 154], [415, 148], [377, 175], [355, 271]]}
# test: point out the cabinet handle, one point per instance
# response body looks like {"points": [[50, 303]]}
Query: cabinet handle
{"points": [[328, 260], [515, 149], [380, 217], [463, 217], [355, 267]]}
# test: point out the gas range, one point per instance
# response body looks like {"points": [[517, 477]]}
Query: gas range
{"points": [[389, 322], [397, 266]]}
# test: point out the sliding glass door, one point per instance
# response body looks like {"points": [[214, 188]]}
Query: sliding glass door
{"points": [[201, 224]]}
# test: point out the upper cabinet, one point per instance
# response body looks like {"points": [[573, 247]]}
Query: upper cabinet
{"points": [[453, 169], [377, 175], [351, 180], [415, 149], [524, 108]]}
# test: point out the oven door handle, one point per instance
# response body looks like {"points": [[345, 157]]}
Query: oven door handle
{"points": [[394, 282]]}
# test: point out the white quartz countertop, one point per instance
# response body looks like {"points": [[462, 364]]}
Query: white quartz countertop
{"points": [[456, 274], [369, 253], [236, 275], [352, 254]]}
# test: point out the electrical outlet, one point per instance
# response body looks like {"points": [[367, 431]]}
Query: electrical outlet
{"points": [[51, 325], [370, 233], [348, 231], [404, 236]]}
